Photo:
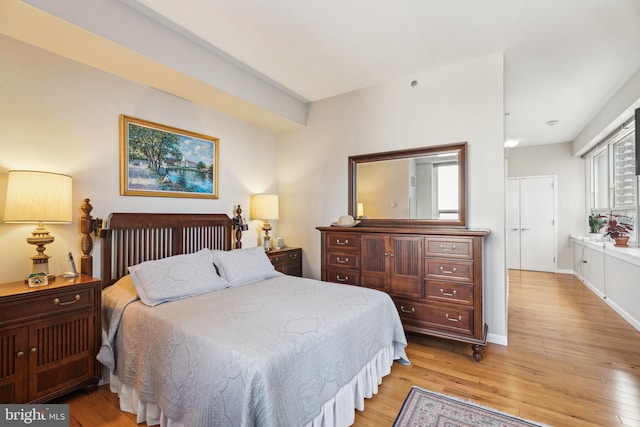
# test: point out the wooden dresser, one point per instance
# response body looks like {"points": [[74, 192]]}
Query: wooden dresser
{"points": [[49, 338], [433, 275]]}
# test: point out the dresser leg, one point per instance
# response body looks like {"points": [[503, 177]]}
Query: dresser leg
{"points": [[477, 351]]}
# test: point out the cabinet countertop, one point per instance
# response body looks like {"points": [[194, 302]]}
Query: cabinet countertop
{"points": [[628, 254]]}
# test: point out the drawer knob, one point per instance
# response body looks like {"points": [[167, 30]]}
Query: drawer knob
{"points": [[453, 319], [443, 271], [75, 299], [342, 242], [276, 259], [404, 310], [34, 349], [340, 279], [448, 248], [448, 294], [293, 256], [342, 261], [20, 354]]}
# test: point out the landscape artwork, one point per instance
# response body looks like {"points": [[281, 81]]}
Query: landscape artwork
{"points": [[159, 160]]}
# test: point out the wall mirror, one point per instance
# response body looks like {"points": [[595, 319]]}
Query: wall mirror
{"points": [[416, 187]]}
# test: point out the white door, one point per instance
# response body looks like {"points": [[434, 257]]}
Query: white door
{"points": [[532, 213], [513, 223]]}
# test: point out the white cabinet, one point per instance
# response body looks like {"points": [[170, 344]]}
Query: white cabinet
{"points": [[612, 273], [588, 263], [623, 288]]}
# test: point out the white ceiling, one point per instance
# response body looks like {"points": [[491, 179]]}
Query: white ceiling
{"points": [[563, 58]]}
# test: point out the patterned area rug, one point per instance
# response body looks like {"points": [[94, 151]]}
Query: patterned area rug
{"points": [[423, 408]]}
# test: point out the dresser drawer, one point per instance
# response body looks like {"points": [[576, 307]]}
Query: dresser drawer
{"points": [[456, 319], [343, 241], [52, 302], [448, 269], [449, 247], [455, 293], [343, 259], [343, 275]]}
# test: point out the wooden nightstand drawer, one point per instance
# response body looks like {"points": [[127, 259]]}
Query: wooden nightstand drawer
{"points": [[448, 269], [449, 247], [343, 241], [50, 303], [287, 260]]}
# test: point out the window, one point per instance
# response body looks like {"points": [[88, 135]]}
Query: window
{"points": [[613, 184], [446, 178]]}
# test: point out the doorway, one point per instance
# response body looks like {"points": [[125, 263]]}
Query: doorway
{"points": [[531, 223]]}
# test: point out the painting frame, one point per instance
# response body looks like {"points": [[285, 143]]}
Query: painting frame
{"points": [[163, 161]]}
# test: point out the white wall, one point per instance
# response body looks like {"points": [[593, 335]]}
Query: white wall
{"points": [[463, 102], [60, 116], [557, 159], [616, 111]]}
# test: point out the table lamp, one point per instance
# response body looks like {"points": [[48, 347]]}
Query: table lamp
{"points": [[38, 197], [265, 208]]}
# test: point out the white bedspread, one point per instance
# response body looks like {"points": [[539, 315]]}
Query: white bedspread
{"points": [[265, 354]]}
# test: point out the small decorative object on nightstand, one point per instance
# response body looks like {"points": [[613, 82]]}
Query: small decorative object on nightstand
{"points": [[49, 338], [287, 260]]}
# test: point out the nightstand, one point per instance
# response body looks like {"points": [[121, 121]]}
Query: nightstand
{"points": [[49, 338], [287, 260]]}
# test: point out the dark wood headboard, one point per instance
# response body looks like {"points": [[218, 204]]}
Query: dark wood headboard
{"points": [[131, 238]]}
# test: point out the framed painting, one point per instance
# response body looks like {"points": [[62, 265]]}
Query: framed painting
{"points": [[163, 161]]}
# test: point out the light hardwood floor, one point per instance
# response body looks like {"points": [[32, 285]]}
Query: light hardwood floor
{"points": [[571, 361]]}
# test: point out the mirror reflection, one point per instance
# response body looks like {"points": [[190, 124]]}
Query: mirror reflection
{"points": [[423, 187]]}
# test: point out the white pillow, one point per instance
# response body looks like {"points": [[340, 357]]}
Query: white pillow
{"points": [[176, 277], [243, 266]]}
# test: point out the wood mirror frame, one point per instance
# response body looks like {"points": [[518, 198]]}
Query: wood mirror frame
{"points": [[459, 148]]}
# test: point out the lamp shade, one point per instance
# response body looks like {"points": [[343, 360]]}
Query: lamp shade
{"points": [[264, 206], [38, 197]]}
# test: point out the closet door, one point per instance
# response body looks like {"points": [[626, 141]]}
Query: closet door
{"points": [[513, 223], [532, 224], [537, 224]]}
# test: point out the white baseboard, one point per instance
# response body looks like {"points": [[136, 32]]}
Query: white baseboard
{"points": [[615, 307], [497, 339], [633, 322], [591, 287]]}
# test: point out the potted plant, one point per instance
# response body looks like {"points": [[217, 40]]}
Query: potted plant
{"points": [[617, 230], [596, 223]]}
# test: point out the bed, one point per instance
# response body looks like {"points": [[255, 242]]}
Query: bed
{"points": [[202, 332]]}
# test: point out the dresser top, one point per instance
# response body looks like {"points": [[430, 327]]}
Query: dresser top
{"points": [[408, 230]]}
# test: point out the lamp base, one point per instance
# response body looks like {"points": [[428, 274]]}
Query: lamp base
{"points": [[266, 240], [266, 243], [41, 237]]}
